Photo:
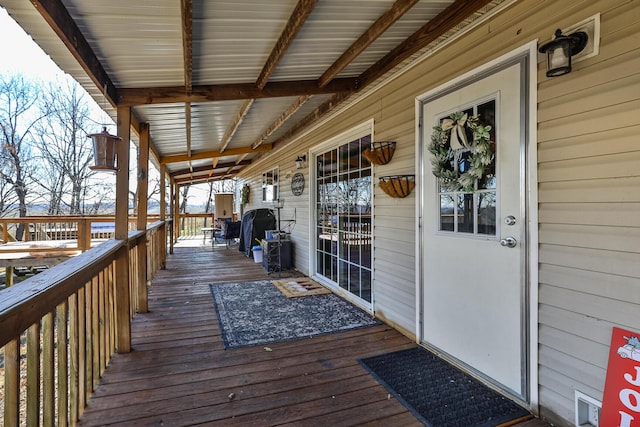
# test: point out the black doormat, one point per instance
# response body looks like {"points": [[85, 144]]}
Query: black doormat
{"points": [[439, 394], [253, 313]]}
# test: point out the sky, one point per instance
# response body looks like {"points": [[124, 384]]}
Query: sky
{"points": [[22, 55]]}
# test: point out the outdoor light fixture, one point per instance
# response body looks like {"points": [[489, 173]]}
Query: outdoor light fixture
{"points": [[104, 150], [560, 50], [300, 161]]}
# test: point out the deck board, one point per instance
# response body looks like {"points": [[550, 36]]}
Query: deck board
{"points": [[180, 374]]}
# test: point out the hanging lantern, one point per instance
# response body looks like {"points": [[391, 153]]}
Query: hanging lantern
{"points": [[104, 150]]}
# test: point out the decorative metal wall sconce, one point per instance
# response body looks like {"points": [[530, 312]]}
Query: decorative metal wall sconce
{"points": [[104, 150], [560, 50], [301, 161], [380, 153], [397, 185]]}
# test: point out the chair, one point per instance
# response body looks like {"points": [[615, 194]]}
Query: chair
{"points": [[230, 231]]}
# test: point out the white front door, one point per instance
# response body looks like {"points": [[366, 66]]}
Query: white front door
{"points": [[473, 290]]}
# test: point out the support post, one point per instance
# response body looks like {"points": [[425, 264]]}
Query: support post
{"points": [[143, 189], [172, 230], [176, 211], [163, 213], [123, 303]]}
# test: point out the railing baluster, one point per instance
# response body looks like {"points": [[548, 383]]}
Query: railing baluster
{"points": [[102, 320], [82, 350], [110, 326], [62, 317], [74, 350], [12, 383], [33, 375], [95, 332], [88, 341], [48, 371]]}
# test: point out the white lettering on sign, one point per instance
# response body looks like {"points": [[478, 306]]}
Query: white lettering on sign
{"points": [[626, 396], [625, 419], [630, 398], [631, 380]]}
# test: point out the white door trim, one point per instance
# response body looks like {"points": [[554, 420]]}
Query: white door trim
{"points": [[528, 51]]}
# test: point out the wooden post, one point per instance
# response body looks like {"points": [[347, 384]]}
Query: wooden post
{"points": [[163, 192], [176, 211], [141, 250], [163, 214], [123, 319], [173, 216], [84, 235], [8, 275]]}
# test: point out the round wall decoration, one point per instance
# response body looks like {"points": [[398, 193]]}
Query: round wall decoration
{"points": [[297, 184]]}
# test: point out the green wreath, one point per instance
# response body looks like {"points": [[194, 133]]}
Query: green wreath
{"points": [[245, 194], [449, 142]]}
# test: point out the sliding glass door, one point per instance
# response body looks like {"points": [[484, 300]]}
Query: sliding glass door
{"points": [[343, 212]]}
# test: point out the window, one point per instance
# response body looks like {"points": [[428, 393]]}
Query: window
{"points": [[472, 212], [270, 185]]}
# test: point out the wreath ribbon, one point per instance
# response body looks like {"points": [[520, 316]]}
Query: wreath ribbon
{"points": [[458, 137]]}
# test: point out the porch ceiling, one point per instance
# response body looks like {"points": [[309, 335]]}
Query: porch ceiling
{"points": [[220, 82]]}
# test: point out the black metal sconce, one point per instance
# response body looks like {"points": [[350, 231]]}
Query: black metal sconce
{"points": [[301, 161], [560, 50]]}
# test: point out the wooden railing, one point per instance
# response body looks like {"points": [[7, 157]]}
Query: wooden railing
{"points": [[192, 224], [59, 329], [80, 228]]}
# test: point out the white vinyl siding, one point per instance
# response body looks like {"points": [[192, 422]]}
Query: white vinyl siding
{"points": [[589, 210], [588, 187]]}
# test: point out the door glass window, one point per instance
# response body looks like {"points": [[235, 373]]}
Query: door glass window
{"points": [[270, 185], [343, 209], [467, 185]]}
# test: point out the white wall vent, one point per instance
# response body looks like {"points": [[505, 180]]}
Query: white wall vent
{"points": [[587, 410]]}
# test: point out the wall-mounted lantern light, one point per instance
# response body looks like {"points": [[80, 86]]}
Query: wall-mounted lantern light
{"points": [[301, 161], [560, 50], [104, 150]]}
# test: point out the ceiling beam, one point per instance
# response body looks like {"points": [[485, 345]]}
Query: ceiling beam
{"points": [[297, 19], [202, 178], [186, 12], [187, 126], [286, 114], [186, 9], [208, 168], [382, 24], [235, 124], [228, 92], [315, 115], [431, 31], [58, 18], [211, 154]]}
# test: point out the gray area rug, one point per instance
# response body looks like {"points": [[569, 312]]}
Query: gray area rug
{"points": [[255, 313]]}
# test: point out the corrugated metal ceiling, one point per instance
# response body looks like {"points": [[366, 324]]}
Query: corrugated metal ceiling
{"points": [[140, 45]]}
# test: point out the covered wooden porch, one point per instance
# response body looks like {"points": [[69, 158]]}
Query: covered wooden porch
{"points": [[178, 372]]}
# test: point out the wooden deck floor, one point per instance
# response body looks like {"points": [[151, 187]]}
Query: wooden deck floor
{"points": [[179, 373]]}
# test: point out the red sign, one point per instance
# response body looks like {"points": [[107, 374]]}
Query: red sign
{"points": [[621, 402]]}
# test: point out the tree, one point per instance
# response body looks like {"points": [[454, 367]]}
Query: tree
{"points": [[18, 116], [64, 147]]}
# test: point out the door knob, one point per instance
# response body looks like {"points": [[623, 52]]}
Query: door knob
{"points": [[508, 242]]}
